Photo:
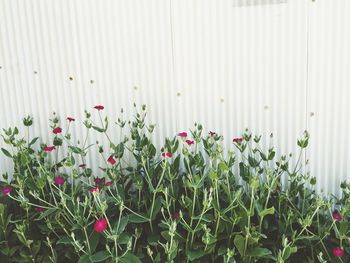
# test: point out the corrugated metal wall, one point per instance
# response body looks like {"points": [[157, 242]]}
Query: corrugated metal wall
{"points": [[281, 67]]}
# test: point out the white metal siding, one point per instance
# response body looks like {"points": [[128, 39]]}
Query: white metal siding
{"points": [[262, 67]]}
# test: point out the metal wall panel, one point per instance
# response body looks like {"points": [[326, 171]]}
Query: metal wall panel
{"points": [[329, 93], [227, 66]]}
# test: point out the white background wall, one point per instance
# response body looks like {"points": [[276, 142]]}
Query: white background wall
{"points": [[279, 68]]}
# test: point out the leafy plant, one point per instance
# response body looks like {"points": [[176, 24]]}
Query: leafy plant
{"points": [[191, 201]]}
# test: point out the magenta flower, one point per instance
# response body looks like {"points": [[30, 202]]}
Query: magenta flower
{"points": [[6, 190], [338, 252], [49, 148], [100, 225], [59, 180], [336, 216], [108, 183], [99, 107], [111, 160], [40, 209], [94, 189], [237, 140], [183, 134], [189, 142], [175, 215], [57, 130], [70, 119], [98, 180], [167, 155]]}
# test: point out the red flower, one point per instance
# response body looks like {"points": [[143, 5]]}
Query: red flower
{"points": [[336, 216], [98, 180], [237, 140], [167, 155], [211, 133], [175, 215], [183, 134], [59, 180], [57, 130], [338, 252], [99, 107], [49, 148], [111, 160], [100, 225], [82, 165], [40, 209], [189, 142], [94, 189], [70, 119], [108, 183], [6, 190]]}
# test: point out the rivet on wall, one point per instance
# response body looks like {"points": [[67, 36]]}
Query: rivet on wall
{"points": [[178, 94], [35, 72], [70, 78], [312, 114], [92, 81], [266, 107], [135, 87], [222, 100]]}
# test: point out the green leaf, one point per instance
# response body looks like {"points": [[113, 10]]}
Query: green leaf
{"points": [[47, 212], [138, 219], [84, 259], [258, 252], [239, 242], [288, 251], [223, 167], [94, 239], [267, 211], [122, 224], [33, 141], [156, 208], [100, 256], [98, 129], [130, 258], [195, 254], [75, 149], [65, 240], [6, 152]]}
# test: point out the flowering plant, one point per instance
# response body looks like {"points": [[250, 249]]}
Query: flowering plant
{"points": [[189, 201]]}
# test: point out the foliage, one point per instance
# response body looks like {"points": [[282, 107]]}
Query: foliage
{"points": [[192, 201]]}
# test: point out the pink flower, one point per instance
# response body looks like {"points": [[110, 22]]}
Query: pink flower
{"points": [[237, 140], [6, 190], [336, 216], [98, 180], [49, 148], [82, 165], [94, 189], [40, 209], [167, 155], [111, 160], [338, 252], [70, 119], [108, 183], [100, 225], [183, 134], [59, 180], [189, 142], [57, 130], [211, 133], [99, 107]]}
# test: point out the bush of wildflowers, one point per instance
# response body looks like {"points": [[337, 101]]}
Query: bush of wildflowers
{"points": [[189, 201]]}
